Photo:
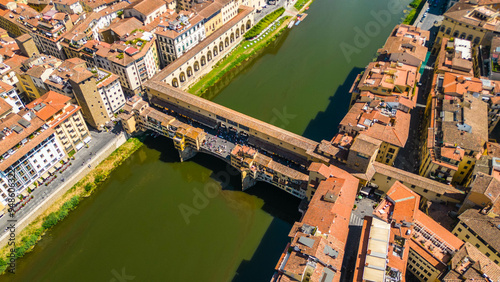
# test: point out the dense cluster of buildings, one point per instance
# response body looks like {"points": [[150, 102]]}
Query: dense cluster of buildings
{"points": [[67, 64], [459, 163]]}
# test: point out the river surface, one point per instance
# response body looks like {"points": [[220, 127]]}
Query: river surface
{"points": [[133, 227]]}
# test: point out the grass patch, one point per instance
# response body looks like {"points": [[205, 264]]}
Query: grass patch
{"points": [[235, 58], [300, 4], [495, 67], [416, 6], [29, 236], [264, 23]]}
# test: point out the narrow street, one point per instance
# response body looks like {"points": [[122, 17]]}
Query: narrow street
{"points": [[409, 157], [99, 141], [364, 207]]}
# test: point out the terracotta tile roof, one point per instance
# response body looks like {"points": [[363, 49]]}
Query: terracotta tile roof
{"points": [[473, 112], [419, 181], [486, 185], [15, 62], [493, 149], [4, 87], [4, 107], [243, 12], [81, 74], [396, 135], [365, 144], [456, 84], [438, 230], [53, 101], [449, 61], [453, 153], [301, 143], [461, 12], [471, 264], [207, 9], [322, 232], [14, 138], [122, 27], [407, 40], [174, 33], [321, 169], [483, 225], [147, 7]]}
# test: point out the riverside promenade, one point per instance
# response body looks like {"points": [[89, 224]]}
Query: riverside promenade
{"points": [[101, 146]]}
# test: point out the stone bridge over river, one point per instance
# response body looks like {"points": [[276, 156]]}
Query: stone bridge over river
{"points": [[260, 151]]}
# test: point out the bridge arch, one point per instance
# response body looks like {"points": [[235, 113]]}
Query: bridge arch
{"points": [[182, 77]]}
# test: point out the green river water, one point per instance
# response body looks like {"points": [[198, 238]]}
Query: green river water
{"points": [[132, 228]]}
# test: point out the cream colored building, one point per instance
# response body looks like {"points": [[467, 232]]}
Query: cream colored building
{"points": [[198, 61], [481, 230], [65, 118], [469, 21]]}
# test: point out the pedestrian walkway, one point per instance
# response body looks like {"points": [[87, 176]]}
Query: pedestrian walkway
{"points": [[355, 220]]}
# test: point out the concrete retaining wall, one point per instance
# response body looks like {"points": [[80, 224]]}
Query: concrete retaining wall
{"points": [[84, 170]]}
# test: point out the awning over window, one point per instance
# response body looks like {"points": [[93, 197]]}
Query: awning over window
{"points": [[79, 146], [366, 190]]}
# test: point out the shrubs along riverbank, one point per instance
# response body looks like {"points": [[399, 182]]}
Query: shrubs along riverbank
{"points": [[264, 23], [29, 236], [242, 52]]}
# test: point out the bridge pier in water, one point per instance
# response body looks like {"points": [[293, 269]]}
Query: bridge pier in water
{"points": [[187, 153], [247, 180]]}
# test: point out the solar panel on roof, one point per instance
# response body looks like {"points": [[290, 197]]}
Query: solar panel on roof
{"points": [[24, 123]]}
